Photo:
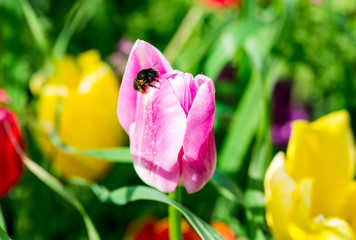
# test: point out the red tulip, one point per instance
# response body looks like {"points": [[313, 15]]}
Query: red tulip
{"points": [[151, 228], [10, 139], [222, 3]]}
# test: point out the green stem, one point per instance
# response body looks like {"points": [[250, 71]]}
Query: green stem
{"points": [[2, 220], [175, 218], [184, 31]]}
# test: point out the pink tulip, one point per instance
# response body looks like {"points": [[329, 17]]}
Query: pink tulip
{"points": [[171, 127]]}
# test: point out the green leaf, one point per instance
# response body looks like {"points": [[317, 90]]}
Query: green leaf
{"points": [[58, 187], [227, 188], [3, 235], [233, 193], [197, 47], [119, 155], [184, 32], [80, 13], [35, 26], [285, 24], [254, 195], [227, 44], [125, 195], [242, 128]]}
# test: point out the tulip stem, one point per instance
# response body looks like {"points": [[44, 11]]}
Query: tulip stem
{"points": [[175, 218]]}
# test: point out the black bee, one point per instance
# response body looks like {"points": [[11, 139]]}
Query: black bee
{"points": [[144, 78]]}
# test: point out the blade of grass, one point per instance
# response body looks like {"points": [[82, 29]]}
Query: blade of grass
{"points": [[227, 44], [242, 128], [183, 33], [197, 47], [35, 26], [80, 13]]}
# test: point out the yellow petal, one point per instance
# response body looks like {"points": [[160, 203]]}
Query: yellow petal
{"points": [[325, 152], [350, 207], [279, 188], [321, 228], [89, 61], [67, 72], [302, 226], [301, 204], [82, 108]]}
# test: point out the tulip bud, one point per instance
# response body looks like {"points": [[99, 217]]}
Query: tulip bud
{"points": [[170, 124], [10, 139]]}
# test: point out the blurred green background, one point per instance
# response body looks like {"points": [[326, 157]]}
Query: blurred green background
{"points": [[247, 49]]}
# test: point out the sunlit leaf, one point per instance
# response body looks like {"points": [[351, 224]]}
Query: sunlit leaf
{"points": [[3, 235], [119, 155], [185, 30]]}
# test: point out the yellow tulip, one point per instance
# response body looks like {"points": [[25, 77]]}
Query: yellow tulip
{"points": [[311, 192], [78, 102]]}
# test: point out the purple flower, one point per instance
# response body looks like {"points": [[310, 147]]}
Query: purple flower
{"points": [[171, 125], [284, 113]]}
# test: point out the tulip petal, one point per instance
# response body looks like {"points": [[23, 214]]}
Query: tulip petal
{"points": [[184, 88], [279, 188], [143, 55], [156, 137], [324, 151], [199, 159]]}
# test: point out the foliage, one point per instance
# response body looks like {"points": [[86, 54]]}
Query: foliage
{"points": [[245, 49]]}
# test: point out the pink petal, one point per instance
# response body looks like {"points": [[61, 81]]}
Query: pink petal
{"points": [[157, 137], [199, 159], [184, 88], [143, 55]]}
